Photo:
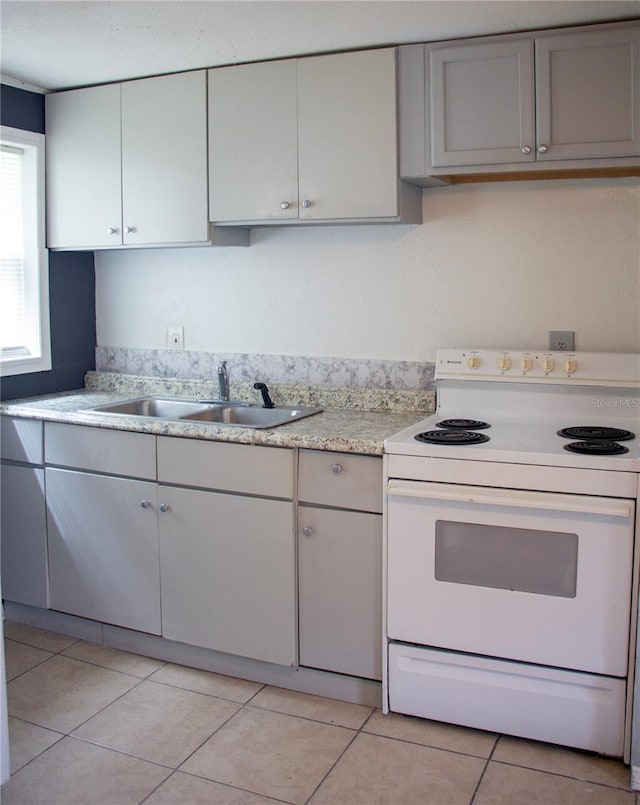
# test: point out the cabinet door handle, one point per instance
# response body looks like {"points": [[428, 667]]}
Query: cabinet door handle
{"points": [[307, 531], [112, 230], [164, 507], [284, 205], [542, 149], [307, 203], [145, 504], [526, 149], [336, 468], [130, 230]]}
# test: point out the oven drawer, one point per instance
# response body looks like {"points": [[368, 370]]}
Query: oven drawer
{"points": [[544, 704], [530, 576]]}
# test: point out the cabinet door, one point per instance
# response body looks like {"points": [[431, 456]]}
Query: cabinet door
{"points": [[83, 168], [164, 159], [253, 142], [482, 103], [588, 86], [24, 536], [347, 135], [103, 548], [340, 591], [228, 573]]}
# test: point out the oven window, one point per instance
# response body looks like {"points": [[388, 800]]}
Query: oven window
{"points": [[521, 559]]}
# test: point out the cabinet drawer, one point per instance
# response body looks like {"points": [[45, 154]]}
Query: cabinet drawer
{"points": [[340, 479], [107, 451], [266, 471], [21, 439]]}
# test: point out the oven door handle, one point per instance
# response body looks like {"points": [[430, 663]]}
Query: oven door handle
{"points": [[512, 498]]}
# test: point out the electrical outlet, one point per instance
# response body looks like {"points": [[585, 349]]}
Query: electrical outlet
{"points": [[175, 337], [561, 340]]}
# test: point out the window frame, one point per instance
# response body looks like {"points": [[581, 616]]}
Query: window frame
{"points": [[37, 323]]}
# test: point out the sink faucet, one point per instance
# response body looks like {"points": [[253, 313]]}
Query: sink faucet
{"points": [[223, 381]]}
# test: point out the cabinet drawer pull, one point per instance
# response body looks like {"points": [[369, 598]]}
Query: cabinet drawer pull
{"points": [[336, 468], [526, 149], [307, 531], [164, 507], [307, 203], [145, 504], [284, 205], [542, 149]]}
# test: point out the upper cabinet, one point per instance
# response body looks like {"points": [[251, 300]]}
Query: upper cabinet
{"points": [[304, 140], [127, 164], [565, 100]]}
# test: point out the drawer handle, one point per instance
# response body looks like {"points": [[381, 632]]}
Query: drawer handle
{"points": [[164, 507], [145, 504], [337, 468], [307, 531]]}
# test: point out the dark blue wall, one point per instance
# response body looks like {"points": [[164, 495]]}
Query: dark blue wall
{"points": [[72, 307]]}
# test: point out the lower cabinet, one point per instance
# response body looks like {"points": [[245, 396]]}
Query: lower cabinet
{"points": [[228, 573], [340, 598], [103, 548], [340, 562], [24, 536]]}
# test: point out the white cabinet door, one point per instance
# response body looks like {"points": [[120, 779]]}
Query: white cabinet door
{"points": [[164, 159], [340, 591], [588, 91], [83, 168], [23, 529], [228, 573], [347, 136], [253, 142], [103, 548], [482, 103]]}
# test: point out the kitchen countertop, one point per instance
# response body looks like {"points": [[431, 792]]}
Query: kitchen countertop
{"points": [[343, 430]]}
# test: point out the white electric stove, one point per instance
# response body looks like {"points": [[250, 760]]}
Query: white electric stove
{"points": [[510, 547]]}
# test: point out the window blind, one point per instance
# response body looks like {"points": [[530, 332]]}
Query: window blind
{"points": [[12, 258]]}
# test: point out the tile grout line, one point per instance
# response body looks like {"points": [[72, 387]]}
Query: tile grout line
{"points": [[484, 769]]}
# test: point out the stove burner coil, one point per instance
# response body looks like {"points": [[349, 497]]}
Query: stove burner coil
{"points": [[451, 437], [597, 448], [462, 424], [592, 433]]}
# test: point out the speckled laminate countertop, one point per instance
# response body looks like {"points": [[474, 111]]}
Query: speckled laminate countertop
{"points": [[340, 429]]}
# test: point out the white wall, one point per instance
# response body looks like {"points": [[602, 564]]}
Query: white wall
{"points": [[493, 265]]}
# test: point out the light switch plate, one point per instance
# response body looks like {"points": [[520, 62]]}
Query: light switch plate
{"points": [[175, 337]]}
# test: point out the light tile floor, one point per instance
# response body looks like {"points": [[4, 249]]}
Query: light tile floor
{"points": [[95, 726]]}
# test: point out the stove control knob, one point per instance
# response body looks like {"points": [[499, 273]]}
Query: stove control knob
{"points": [[548, 364], [570, 365], [504, 363], [526, 364], [473, 362]]}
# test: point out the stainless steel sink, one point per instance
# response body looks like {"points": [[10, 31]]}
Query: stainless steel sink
{"points": [[235, 414], [158, 407], [251, 417]]}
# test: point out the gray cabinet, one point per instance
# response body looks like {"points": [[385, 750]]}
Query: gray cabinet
{"points": [[227, 548], [340, 563], [102, 525], [127, 164], [103, 548], [304, 140], [564, 100], [228, 573], [23, 551]]}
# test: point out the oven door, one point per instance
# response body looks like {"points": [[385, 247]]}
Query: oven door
{"points": [[542, 578]]}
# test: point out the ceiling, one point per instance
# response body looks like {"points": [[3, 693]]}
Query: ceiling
{"points": [[57, 44]]}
